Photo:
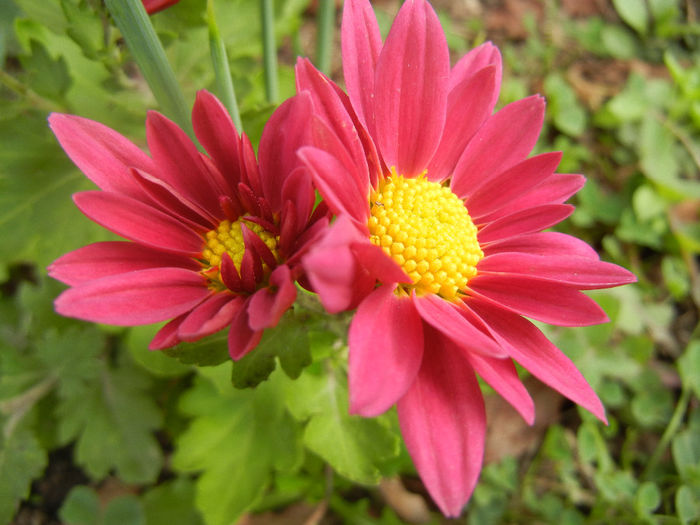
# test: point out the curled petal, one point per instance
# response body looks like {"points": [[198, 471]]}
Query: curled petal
{"points": [[241, 338], [211, 315], [385, 340], [267, 305]]}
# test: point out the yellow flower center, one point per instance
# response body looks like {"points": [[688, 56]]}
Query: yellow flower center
{"points": [[427, 230], [228, 237]]}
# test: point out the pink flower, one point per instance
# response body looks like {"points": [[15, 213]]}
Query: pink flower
{"points": [[216, 241], [438, 241], [153, 6]]}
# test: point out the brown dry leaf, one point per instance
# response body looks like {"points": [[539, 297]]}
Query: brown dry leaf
{"points": [[507, 19], [507, 434], [410, 507]]}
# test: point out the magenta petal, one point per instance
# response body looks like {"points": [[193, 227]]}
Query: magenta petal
{"points": [[167, 336], [134, 298], [511, 184], [467, 109], [287, 130], [336, 185], [211, 315], [504, 140], [241, 338], [411, 89], [386, 348], [110, 258], [529, 347], [139, 222], [102, 154], [443, 423], [181, 165], [267, 305], [546, 301], [361, 44], [502, 376], [542, 243], [474, 61], [332, 268], [581, 272], [378, 264], [526, 221], [217, 133], [445, 318]]}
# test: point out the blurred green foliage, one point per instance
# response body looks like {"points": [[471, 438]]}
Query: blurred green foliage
{"points": [[623, 91]]}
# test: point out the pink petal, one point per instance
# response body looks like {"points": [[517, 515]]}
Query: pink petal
{"points": [[336, 185], [443, 423], [511, 184], [474, 61], [267, 305], [167, 336], [111, 258], [525, 221], [546, 301], [139, 222], [386, 341], [542, 243], [444, 317], [298, 188], [502, 376], [333, 270], [102, 154], [467, 109], [217, 133], [378, 264], [581, 272], [529, 347], [361, 45], [134, 298], [286, 131], [211, 315], [411, 89], [180, 164], [504, 140], [336, 133], [241, 338]]}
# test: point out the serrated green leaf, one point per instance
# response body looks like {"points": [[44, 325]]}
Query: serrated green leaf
{"points": [[288, 341], [81, 507], [112, 416], [236, 439], [171, 502], [352, 445], [21, 461]]}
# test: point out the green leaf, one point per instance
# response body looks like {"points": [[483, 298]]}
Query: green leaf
{"points": [[236, 440], [685, 449], [81, 507], [688, 366], [354, 446], [171, 502], [49, 76], [22, 459], [288, 341], [676, 276], [634, 13], [648, 498], [112, 416], [154, 361], [124, 509], [687, 506], [210, 351], [569, 116]]}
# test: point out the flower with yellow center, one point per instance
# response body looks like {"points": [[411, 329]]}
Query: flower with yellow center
{"points": [[438, 242]]}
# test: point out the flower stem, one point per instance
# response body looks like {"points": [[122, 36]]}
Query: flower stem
{"points": [[136, 28], [269, 50], [326, 28], [219, 58]]}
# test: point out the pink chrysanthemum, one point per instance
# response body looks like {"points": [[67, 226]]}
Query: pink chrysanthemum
{"points": [[438, 241], [216, 240]]}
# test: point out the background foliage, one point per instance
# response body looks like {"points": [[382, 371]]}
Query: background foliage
{"points": [[97, 430]]}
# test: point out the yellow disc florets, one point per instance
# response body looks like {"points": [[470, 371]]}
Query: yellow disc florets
{"points": [[425, 229], [228, 237]]}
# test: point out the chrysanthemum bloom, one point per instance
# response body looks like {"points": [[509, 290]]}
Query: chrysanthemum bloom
{"points": [[215, 241], [438, 241]]}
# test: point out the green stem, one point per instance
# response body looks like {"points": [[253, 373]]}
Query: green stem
{"points": [[326, 29], [269, 50], [136, 28], [670, 431], [219, 58]]}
